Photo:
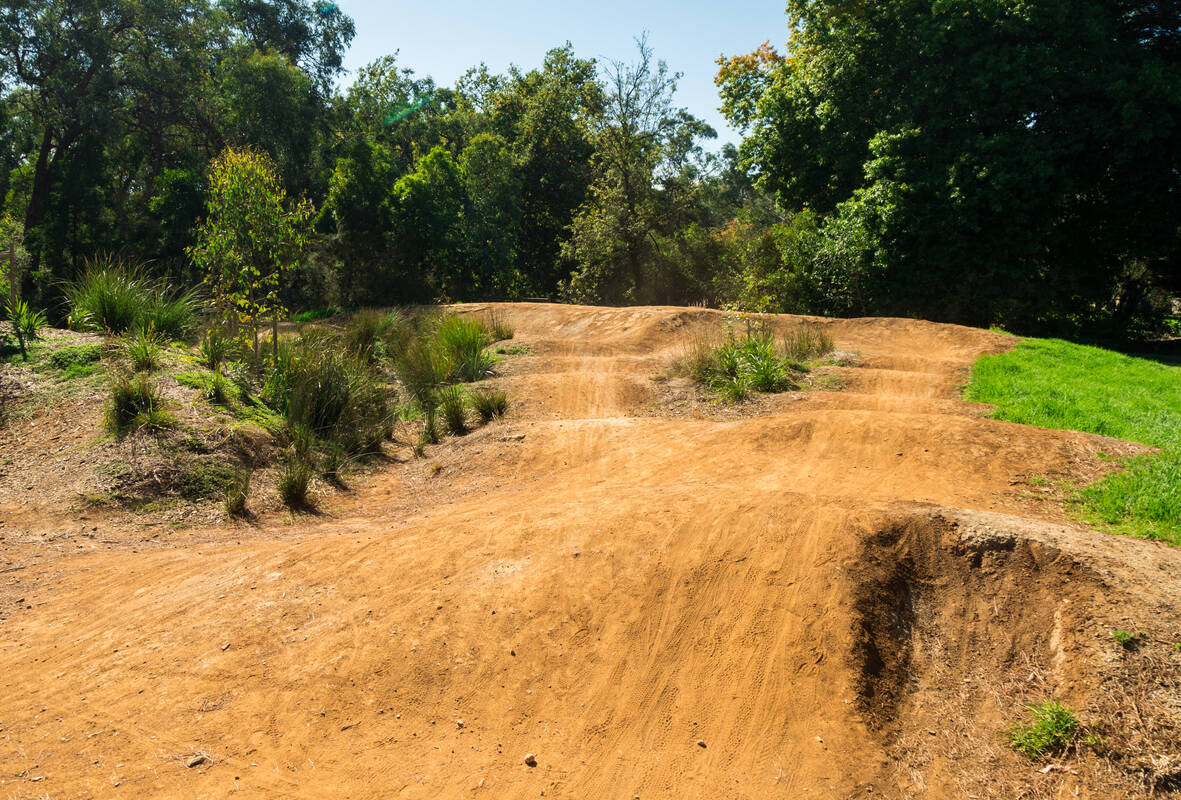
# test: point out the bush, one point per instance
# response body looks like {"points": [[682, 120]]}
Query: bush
{"points": [[462, 342], [421, 369], [26, 323], [135, 402], [1054, 727], [143, 349], [808, 342], [451, 402], [489, 403], [114, 297]]}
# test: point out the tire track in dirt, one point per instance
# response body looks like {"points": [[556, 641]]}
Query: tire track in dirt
{"points": [[607, 589]]}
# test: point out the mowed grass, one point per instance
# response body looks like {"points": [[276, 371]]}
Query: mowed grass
{"points": [[1056, 384]]}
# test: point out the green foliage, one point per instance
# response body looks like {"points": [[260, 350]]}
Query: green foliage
{"points": [[370, 335], [115, 297], [322, 388], [967, 158], [1126, 640], [489, 403], [250, 240], [1053, 729], [462, 342], [315, 314], [737, 366], [499, 329], [76, 360], [215, 349], [143, 350], [452, 404], [25, 322], [1056, 384], [135, 402]]}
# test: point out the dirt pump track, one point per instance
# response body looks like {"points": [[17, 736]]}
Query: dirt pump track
{"points": [[847, 596]]}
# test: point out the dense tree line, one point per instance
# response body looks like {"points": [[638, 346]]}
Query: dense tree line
{"points": [[985, 162]]}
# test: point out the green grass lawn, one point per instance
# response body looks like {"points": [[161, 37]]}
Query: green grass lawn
{"points": [[1056, 384]]}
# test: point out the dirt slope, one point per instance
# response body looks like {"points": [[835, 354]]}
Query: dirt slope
{"points": [[847, 597]]}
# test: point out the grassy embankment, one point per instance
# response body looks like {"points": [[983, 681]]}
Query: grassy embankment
{"points": [[1056, 384]]}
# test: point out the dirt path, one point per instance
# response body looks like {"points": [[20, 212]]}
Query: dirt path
{"points": [[848, 597]]}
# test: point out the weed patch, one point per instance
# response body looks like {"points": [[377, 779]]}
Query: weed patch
{"points": [[1053, 729]]}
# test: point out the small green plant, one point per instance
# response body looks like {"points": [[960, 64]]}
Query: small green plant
{"points": [[489, 403], [237, 493], [217, 389], [77, 360], [295, 477], [451, 403], [134, 402], [1177, 646], [808, 342], [215, 349], [26, 323], [369, 334], [315, 314], [515, 350], [1126, 640], [143, 349], [421, 369], [1054, 727], [736, 367]]}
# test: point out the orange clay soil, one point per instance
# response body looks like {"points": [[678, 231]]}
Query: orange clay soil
{"points": [[850, 595]]}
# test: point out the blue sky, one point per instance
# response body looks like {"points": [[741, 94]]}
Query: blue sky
{"points": [[442, 39]]}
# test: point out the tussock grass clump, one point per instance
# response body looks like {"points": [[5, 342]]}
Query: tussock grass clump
{"points": [[216, 349], [808, 342], [498, 327], [115, 297], [462, 342], [143, 350], [372, 335], [135, 402], [320, 386], [735, 367], [453, 406], [489, 403], [421, 368], [237, 493], [295, 477], [1053, 729]]}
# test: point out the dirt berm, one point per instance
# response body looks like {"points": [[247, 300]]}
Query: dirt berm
{"points": [[851, 594]]}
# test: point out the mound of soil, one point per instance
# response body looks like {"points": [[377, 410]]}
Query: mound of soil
{"points": [[851, 594]]}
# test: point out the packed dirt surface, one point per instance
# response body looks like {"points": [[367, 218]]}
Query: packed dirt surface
{"points": [[850, 595]]}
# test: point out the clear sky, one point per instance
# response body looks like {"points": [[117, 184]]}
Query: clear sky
{"points": [[445, 37]]}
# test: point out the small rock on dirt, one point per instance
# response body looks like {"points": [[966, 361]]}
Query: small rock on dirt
{"points": [[530, 760], [195, 761], [701, 743]]}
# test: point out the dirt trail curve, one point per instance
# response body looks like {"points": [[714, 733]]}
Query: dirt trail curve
{"points": [[839, 599]]}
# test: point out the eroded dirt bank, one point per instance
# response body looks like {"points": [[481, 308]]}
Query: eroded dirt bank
{"points": [[849, 596]]}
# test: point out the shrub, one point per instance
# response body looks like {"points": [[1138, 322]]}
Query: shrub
{"points": [[143, 349], [461, 341], [451, 403], [217, 388], [134, 402], [237, 493], [737, 367], [489, 403], [1054, 727], [808, 342], [1126, 640], [115, 297], [295, 476]]}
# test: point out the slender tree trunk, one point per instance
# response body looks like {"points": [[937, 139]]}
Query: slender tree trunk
{"points": [[35, 212]]}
